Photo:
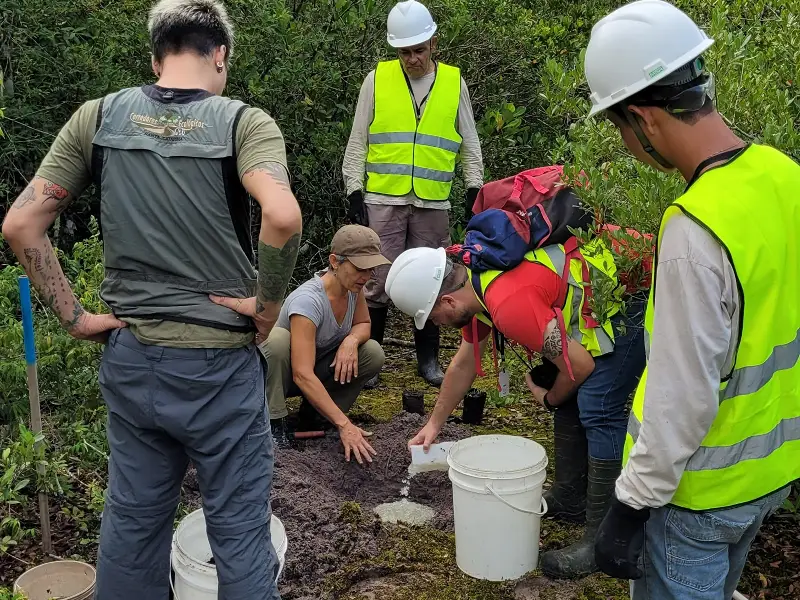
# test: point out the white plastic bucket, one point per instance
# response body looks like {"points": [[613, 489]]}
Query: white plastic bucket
{"points": [[195, 578], [497, 504], [65, 579]]}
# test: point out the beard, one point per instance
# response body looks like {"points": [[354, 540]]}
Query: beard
{"points": [[462, 319]]}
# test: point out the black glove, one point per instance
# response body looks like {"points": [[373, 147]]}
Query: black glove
{"points": [[620, 539], [357, 212], [544, 375], [469, 200]]}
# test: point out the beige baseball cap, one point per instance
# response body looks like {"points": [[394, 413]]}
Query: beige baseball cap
{"points": [[360, 245]]}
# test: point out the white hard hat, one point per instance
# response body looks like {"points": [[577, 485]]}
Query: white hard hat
{"points": [[414, 281], [409, 23], [637, 45]]}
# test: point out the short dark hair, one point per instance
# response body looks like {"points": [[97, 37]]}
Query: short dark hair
{"points": [[454, 280], [199, 26]]}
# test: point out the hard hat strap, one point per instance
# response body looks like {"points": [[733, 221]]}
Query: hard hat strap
{"points": [[648, 147]]}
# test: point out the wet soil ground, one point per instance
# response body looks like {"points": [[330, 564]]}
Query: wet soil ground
{"points": [[326, 503], [313, 482]]}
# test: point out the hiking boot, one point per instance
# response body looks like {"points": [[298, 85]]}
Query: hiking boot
{"points": [[377, 317], [280, 432], [566, 498], [426, 342], [577, 560]]}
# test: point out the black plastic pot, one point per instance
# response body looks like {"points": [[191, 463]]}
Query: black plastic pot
{"points": [[414, 401], [474, 402]]}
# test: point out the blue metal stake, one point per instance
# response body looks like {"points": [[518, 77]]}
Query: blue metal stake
{"points": [[33, 397]]}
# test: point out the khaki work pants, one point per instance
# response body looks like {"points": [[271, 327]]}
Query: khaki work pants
{"points": [[401, 228], [280, 384]]}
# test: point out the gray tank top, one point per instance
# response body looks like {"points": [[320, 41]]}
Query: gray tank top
{"points": [[311, 301]]}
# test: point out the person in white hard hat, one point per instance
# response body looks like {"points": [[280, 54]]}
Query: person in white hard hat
{"points": [[588, 372], [714, 436], [413, 118]]}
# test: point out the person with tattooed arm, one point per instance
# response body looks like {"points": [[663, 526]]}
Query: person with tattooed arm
{"points": [[181, 375], [589, 368]]}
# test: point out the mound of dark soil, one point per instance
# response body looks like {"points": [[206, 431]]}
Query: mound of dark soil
{"points": [[313, 482]]}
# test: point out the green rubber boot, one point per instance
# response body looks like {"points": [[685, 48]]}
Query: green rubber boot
{"points": [[577, 560], [566, 498]]}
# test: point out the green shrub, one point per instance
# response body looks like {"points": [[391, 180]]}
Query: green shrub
{"points": [[304, 63]]}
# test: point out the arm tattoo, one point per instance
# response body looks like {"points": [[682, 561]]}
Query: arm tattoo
{"points": [[552, 347], [51, 192], [26, 197], [275, 266], [44, 275], [275, 171], [58, 194]]}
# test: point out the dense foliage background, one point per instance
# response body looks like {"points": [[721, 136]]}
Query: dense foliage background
{"points": [[303, 61]]}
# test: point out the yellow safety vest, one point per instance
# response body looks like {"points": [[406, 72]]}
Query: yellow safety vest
{"points": [[751, 206], [404, 153], [597, 340]]}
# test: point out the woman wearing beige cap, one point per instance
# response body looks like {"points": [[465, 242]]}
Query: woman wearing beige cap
{"points": [[320, 347]]}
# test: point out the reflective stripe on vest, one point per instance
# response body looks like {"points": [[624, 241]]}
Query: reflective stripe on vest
{"points": [[596, 340], [405, 154], [753, 445]]}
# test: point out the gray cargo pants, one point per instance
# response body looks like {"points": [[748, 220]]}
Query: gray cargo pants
{"points": [[165, 407]]}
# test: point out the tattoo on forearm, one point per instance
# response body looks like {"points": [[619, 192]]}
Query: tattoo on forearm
{"points": [[276, 172], [52, 289], [552, 347], [275, 266]]}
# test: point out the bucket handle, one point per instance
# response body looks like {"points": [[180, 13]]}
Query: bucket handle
{"points": [[172, 585], [539, 513]]}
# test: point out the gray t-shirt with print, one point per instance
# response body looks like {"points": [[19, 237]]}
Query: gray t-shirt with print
{"points": [[311, 301]]}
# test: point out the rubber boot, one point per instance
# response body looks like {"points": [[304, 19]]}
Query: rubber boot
{"points": [[426, 342], [577, 560], [377, 317], [566, 498], [309, 419], [280, 432]]}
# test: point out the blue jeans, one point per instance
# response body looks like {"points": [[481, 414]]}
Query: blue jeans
{"points": [[699, 555], [603, 397], [167, 406]]}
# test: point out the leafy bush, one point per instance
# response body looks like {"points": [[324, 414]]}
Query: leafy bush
{"points": [[66, 371], [304, 61]]}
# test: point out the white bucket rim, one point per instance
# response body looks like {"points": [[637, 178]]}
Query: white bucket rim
{"points": [[203, 567], [461, 445], [42, 566]]}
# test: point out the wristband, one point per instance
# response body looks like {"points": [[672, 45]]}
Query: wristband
{"points": [[547, 404]]}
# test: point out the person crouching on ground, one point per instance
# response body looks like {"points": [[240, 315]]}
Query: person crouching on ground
{"points": [[522, 304], [320, 347]]}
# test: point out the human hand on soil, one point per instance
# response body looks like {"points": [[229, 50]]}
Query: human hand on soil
{"points": [[425, 436], [346, 360], [352, 438], [538, 392]]}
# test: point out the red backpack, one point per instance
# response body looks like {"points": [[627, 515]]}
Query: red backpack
{"points": [[521, 213]]}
